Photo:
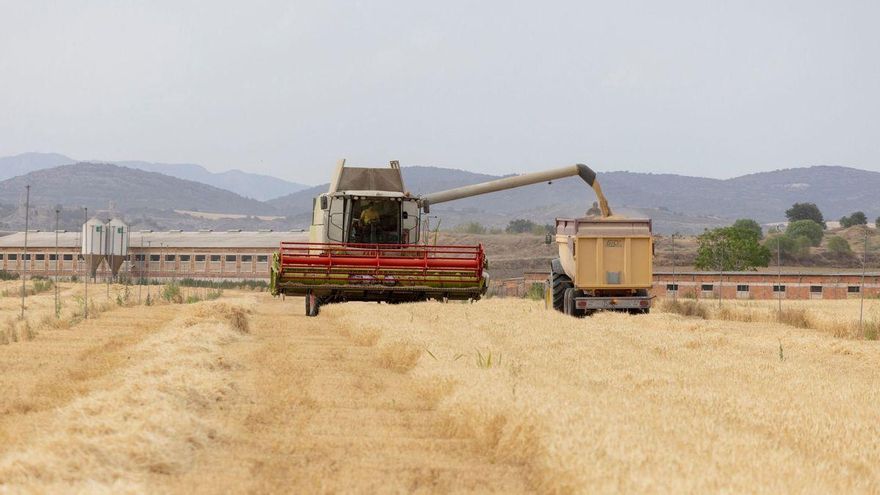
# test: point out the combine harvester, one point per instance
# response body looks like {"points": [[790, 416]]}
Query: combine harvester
{"points": [[364, 242]]}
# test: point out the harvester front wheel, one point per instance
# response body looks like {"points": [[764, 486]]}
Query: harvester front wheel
{"points": [[313, 307], [559, 282]]}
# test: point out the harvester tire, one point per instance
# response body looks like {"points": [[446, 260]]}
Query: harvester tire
{"points": [[313, 305], [559, 282]]}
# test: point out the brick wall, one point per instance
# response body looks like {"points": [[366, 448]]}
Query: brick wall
{"points": [[748, 285]]}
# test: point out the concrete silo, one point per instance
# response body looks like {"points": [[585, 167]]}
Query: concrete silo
{"points": [[94, 245], [117, 244]]}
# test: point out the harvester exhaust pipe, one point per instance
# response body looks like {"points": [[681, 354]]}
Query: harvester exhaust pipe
{"points": [[581, 170]]}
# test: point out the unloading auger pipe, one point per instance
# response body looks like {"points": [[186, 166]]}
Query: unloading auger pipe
{"points": [[585, 173]]}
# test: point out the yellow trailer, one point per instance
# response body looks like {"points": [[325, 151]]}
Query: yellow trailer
{"points": [[604, 263]]}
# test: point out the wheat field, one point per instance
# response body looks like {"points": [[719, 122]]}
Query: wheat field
{"points": [[244, 394]]}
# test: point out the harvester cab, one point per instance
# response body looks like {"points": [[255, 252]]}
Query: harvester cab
{"points": [[364, 241], [366, 206]]}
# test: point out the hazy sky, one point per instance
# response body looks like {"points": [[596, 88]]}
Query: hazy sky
{"points": [[287, 87]]}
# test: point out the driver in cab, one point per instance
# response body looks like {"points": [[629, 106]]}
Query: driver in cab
{"points": [[370, 214]]}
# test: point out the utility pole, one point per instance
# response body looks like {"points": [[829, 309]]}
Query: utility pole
{"points": [[779, 270], [862, 286], [57, 260], [140, 282], [675, 287], [721, 271], [85, 263], [147, 257], [108, 249], [27, 211]]}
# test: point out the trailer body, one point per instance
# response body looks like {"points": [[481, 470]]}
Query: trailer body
{"points": [[604, 263]]}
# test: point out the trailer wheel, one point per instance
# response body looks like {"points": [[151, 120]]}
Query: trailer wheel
{"points": [[569, 306], [559, 282]]}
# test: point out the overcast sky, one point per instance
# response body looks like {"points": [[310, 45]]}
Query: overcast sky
{"points": [[286, 87]]}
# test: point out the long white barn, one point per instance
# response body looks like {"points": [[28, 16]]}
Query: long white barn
{"points": [[155, 255]]}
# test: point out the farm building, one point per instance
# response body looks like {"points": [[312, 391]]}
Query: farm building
{"points": [[155, 255], [734, 285]]}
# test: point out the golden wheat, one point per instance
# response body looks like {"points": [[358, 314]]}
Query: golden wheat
{"points": [[406, 398], [149, 422], [656, 403], [839, 318]]}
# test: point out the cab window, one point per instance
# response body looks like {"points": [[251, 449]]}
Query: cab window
{"points": [[374, 221]]}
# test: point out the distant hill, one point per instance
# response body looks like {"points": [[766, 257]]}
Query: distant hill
{"points": [[257, 186], [676, 202], [250, 185], [11, 166], [96, 185]]}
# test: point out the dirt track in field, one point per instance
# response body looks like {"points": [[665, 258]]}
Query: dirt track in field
{"points": [[325, 411]]}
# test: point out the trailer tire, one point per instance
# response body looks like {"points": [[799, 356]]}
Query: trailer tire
{"points": [[559, 282], [568, 304]]}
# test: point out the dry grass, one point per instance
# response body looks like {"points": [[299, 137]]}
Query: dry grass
{"points": [[656, 403], [685, 307], [399, 356], [839, 318], [150, 419], [238, 320], [401, 398]]}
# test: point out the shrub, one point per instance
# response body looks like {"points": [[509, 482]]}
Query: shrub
{"points": [[838, 245], [806, 228], [749, 224], [224, 284], [123, 297], [789, 247], [536, 291], [171, 293], [42, 285], [521, 226], [471, 228], [730, 249], [857, 218], [805, 211]]}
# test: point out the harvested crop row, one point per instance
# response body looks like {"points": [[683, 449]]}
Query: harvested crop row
{"points": [[151, 420], [656, 403]]}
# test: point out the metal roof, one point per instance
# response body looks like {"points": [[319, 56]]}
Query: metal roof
{"points": [[137, 239]]}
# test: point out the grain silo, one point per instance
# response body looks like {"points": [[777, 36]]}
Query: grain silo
{"points": [[94, 244], [117, 244]]}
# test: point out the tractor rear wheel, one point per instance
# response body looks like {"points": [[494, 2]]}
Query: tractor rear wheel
{"points": [[559, 282]]}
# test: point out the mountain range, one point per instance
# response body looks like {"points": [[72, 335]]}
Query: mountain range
{"points": [[676, 203], [250, 185]]}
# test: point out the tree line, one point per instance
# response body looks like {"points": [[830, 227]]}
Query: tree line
{"points": [[742, 246]]}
